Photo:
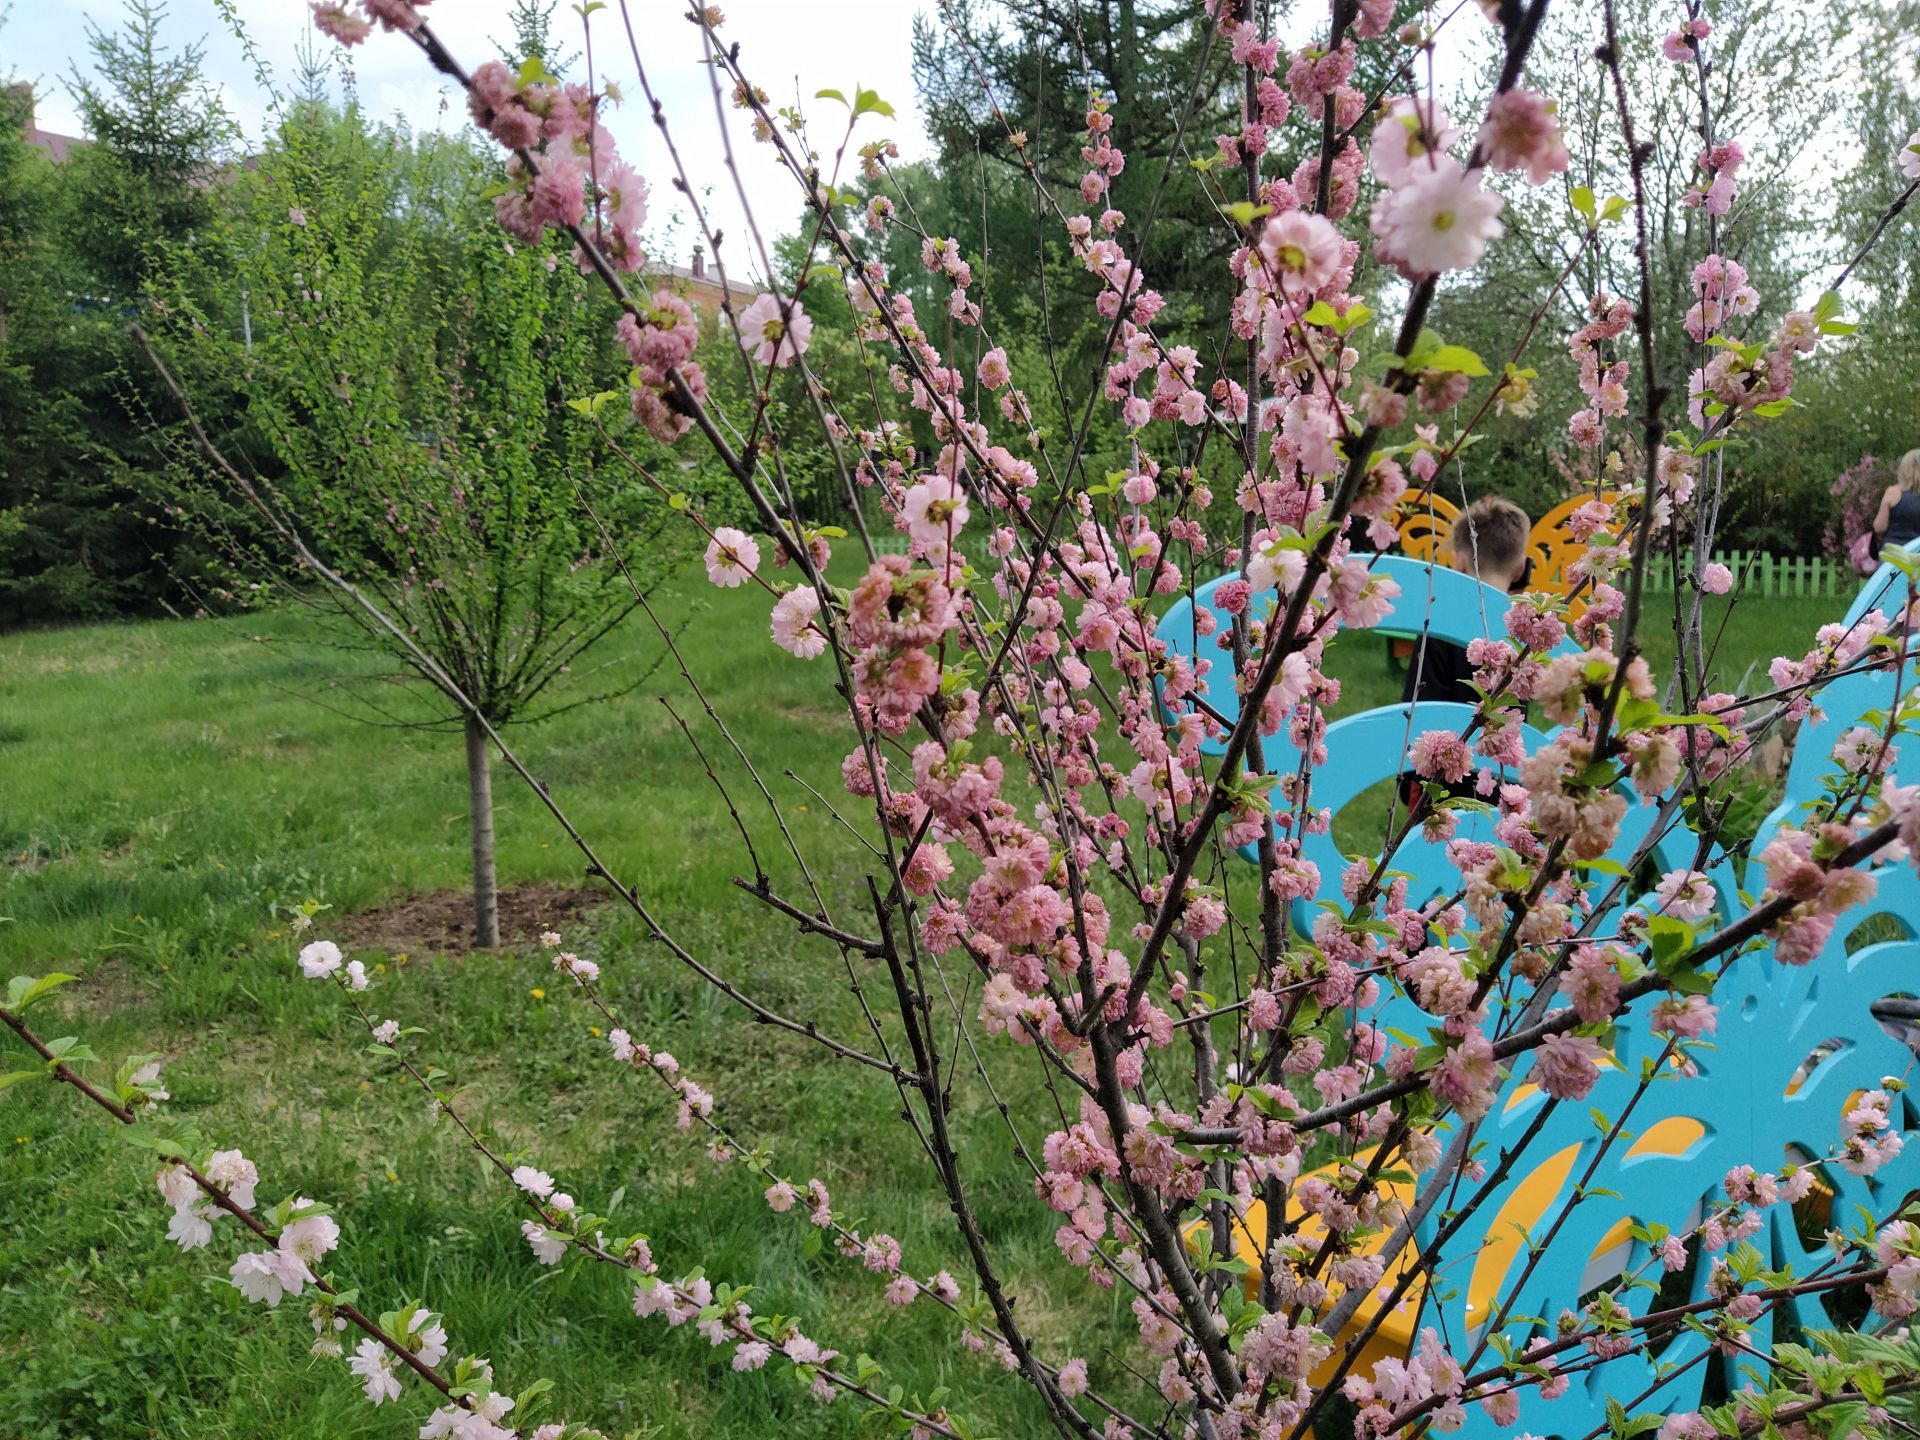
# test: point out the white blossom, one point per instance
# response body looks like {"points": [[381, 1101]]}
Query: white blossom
{"points": [[235, 1174], [547, 1249], [191, 1226], [374, 1365], [535, 1182], [319, 959]]}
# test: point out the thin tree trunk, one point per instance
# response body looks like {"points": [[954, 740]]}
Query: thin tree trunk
{"points": [[486, 895]]}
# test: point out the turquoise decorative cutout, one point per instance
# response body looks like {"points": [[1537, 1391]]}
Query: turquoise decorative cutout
{"points": [[1793, 1044], [1686, 1134]]}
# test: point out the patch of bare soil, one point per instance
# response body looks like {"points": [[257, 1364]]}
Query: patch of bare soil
{"points": [[441, 921]]}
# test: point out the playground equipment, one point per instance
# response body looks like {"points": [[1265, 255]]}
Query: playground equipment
{"points": [[1426, 526], [1795, 1045]]}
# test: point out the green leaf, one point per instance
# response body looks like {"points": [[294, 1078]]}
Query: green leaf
{"points": [[869, 102], [1616, 1415], [25, 990], [533, 71], [677, 500], [71, 1049], [1710, 722], [1582, 199], [831, 95], [1671, 938], [1321, 313], [532, 1393], [147, 1138], [1245, 212], [1689, 981], [1615, 207], [20, 1077], [1455, 360]]}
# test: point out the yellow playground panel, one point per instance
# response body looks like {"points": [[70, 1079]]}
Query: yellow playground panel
{"points": [[1493, 1263], [1426, 526]]}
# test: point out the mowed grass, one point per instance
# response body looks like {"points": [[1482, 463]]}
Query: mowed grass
{"points": [[164, 786]]}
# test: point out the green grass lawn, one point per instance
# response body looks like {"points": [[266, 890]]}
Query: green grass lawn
{"points": [[164, 785]]}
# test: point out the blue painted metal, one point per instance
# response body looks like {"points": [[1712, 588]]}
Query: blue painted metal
{"points": [[1804, 1029], [1773, 1020], [1885, 590], [1442, 602]]}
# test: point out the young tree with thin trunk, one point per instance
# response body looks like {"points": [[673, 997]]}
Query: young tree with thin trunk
{"points": [[407, 374]]}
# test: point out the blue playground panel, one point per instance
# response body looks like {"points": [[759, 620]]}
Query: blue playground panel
{"points": [[1793, 1045]]}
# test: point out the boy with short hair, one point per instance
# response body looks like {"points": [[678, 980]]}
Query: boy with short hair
{"points": [[1490, 541]]}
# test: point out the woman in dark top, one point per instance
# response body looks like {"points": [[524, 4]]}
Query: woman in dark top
{"points": [[1898, 522]]}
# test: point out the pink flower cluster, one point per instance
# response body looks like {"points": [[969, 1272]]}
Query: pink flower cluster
{"points": [[349, 24], [1721, 290], [659, 338], [1682, 46], [1436, 215], [1796, 866], [1522, 133], [1604, 383], [1716, 194]]}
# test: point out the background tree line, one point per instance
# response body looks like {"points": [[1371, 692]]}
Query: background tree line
{"points": [[168, 205], [1790, 83]]}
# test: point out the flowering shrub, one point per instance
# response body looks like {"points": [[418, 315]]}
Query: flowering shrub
{"points": [[1110, 825], [1849, 534]]}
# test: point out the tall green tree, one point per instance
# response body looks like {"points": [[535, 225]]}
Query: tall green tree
{"points": [[83, 531]]}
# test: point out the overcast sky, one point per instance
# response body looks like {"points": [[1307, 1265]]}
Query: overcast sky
{"points": [[789, 46]]}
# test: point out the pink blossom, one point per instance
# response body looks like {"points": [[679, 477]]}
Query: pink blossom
{"points": [[341, 24], [1716, 579], [1685, 1017], [1910, 157], [882, 1254], [1299, 252], [793, 624], [732, 557], [1412, 133], [1441, 219], [1442, 755], [1467, 1075], [235, 1174], [1522, 132], [779, 331], [1686, 894], [263, 1276], [1566, 1066], [536, 1183], [935, 509]]}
